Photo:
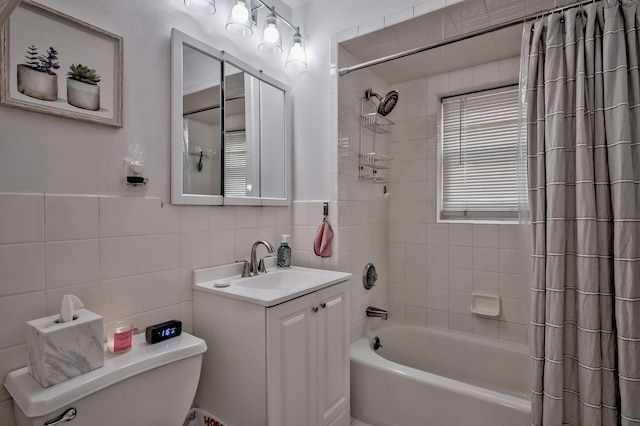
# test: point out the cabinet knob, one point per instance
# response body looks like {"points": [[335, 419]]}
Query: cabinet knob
{"points": [[323, 305], [314, 309]]}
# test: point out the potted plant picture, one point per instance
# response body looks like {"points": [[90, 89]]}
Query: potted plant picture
{"points": [[36, 77], [82, 87]]}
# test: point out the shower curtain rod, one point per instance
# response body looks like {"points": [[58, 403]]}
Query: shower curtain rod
{"points": [[455, 39]]}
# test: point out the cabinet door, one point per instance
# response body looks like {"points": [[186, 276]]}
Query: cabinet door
{"points": [[292, 362], [333, 352]]}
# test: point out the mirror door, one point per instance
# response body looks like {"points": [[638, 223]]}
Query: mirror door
{"points": [[201, 118], [273, 158], [229, 129], [196, 124], [241, 137]]}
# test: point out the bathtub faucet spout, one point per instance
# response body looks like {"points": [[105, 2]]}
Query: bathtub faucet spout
{"points": [[377, 312]]}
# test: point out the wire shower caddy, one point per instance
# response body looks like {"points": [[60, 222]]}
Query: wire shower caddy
{"points": [[371, 163]]}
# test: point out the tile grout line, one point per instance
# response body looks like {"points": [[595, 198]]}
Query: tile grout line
{"points": [[44, 250], [101, 287]]}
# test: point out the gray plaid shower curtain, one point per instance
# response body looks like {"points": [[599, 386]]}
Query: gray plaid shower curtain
{"points": [[583, 142]]}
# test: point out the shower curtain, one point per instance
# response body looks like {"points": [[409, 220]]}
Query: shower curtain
{"points": [[583, 141]]}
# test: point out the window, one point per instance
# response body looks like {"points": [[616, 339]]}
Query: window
{"points": [[478, 155], [235, 164]]}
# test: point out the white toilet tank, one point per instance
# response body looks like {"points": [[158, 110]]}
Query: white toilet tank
{"points": [[150, 385]]}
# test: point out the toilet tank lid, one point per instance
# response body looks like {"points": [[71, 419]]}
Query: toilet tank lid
{"points": [[34, 400]]}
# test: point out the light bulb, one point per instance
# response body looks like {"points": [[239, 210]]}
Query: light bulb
{"points": [[240, 22], [297, 52], [271, 33], [239, 13], [271, 43], [297, 57]]}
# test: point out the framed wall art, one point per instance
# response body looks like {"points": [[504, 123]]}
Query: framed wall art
{"points": [[55, 64]]}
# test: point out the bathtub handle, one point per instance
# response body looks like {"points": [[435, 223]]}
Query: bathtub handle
{"points": [[323, 305], [314, 309]]}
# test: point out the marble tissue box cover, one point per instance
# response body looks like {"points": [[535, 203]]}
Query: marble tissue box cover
{"points": [[61, 350]]}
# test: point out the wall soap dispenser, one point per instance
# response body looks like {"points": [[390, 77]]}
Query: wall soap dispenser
{"points": [[134, 168], [284, 253]]}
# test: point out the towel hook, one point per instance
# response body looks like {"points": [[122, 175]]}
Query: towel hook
{"points": [[325, 210]]}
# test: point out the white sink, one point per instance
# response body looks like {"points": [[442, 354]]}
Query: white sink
{"points": [[276, 279], [274, 287]]}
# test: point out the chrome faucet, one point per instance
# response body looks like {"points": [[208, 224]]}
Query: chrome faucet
{"points": [[256, 267], [377, 312]]}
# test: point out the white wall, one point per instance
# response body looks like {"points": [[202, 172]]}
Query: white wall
{"points": [[313, 99], [363, 207], [42, 153], [435, 267], [126, 256], [145, 26], [51, 245], [358, 211]]}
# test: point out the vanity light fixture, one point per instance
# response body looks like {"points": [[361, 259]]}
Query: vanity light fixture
{"points": [[297, 57], [241, 19], [203, 7], [271, 43]]}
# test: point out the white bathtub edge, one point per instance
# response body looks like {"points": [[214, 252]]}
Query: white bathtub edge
{"points": [[364, 354]]}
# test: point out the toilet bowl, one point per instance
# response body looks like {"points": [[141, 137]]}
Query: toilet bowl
{"points": [[149, 385]]}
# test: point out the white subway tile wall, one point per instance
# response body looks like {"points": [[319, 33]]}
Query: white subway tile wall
{"points": [[23, 218], [127, 258], [434, 267], [359, 211], [16, 279], [10, 359]]}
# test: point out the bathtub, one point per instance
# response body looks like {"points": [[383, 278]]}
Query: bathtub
{"points": [[433, 377]]}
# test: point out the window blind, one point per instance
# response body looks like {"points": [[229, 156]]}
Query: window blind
{"points": [[478, 155], [235, 164]]}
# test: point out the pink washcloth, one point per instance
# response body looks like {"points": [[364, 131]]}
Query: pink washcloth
{"points": [[322, 242]]}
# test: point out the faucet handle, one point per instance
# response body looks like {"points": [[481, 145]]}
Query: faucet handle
{"points": [[261, 267], [245, 268]]}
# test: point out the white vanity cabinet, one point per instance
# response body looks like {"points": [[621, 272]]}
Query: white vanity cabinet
{"points": [[308, 358], [285, 364]]}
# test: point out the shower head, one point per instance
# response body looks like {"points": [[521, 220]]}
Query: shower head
{"points": [[387, 103]]}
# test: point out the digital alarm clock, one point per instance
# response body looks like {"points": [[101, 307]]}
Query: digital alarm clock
{"points": [[166, 330]]}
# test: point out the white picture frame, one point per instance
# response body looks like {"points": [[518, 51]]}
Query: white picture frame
{"points": [[66, 68]]}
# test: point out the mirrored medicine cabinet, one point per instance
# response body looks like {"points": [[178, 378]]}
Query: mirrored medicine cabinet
{"points": [[230, 129]]}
